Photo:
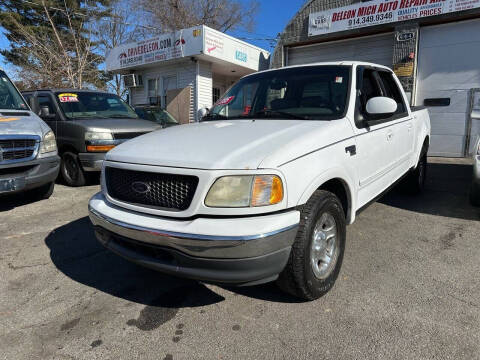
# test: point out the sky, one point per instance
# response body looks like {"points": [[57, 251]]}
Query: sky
{"points": [[273, 16]]}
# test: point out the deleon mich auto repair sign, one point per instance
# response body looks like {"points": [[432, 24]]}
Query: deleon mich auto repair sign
{"points": [[378, 12]]}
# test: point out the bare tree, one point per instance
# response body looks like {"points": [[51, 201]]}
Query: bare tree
{"points": [[62, 57], [222, 15], [120, 28]]}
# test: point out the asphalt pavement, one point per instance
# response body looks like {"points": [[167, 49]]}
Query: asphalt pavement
{"points": [[409, 289]]}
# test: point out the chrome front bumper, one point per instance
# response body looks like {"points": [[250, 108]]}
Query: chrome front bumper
{"points": [[206, 246], [223, 259]]}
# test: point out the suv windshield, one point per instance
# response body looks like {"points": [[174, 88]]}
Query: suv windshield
{"points": [[309, 93], [86, 105], [156, 114], [10, 98]]}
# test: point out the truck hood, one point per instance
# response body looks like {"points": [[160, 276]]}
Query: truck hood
{"points": [[237, 144], [118, 125], [13, 124]]}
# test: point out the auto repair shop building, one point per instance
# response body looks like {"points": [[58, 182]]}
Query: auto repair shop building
{"points": [[186, 70], [432, 45]]}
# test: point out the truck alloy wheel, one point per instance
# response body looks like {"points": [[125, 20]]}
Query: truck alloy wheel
{"points": [[317, 253]]}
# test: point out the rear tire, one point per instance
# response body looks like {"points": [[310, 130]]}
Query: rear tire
{"points": [[475, 194], [317, 254], [71, 170], [415, 183], [44, 192]]}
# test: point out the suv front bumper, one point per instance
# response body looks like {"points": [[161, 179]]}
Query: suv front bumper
{"points": [[92, 161], [237, 251], [30, 174]]}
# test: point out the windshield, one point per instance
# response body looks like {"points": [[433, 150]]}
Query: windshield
{"points": [[157, 115], [86, 105], [10, 98], [310, 93]]}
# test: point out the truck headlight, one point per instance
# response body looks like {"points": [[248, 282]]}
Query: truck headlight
{"points": [[245, 191], [97, 136], [99, 141], [49, 144]]}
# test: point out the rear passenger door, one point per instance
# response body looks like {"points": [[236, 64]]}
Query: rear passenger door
{"points": [[402, 122]]}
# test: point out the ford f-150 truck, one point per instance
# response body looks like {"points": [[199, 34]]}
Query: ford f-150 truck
{"points": [[28, 150], [263, 188], [87, 124]]}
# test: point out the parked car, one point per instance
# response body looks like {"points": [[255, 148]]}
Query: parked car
{"points": [[87, 125], [264, 188], [28, 150], [156, 114], [475, 189]]}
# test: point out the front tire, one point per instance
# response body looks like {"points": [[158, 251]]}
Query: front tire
{"points": [[317, 253], [71, 170]]}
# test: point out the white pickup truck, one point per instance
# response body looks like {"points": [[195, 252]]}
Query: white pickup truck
{"points": [[263, 188]]}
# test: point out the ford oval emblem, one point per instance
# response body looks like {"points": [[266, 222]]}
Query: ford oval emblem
{"points": [[140, 187]]}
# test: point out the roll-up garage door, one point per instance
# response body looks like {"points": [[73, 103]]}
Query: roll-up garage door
{"points": [[376, 49], [448, 70]]}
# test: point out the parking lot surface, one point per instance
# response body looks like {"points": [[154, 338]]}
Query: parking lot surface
{"points": [[409, 289]]}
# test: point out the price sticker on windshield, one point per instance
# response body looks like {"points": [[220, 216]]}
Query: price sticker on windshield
{"points": [[225, 101], [68, 98]]}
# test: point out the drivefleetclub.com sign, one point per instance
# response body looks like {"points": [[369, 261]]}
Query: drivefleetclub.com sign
{"points": [[378, 12]]}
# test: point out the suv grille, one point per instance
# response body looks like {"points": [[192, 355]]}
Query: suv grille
{"points": [[17, 149], [163, 191]]}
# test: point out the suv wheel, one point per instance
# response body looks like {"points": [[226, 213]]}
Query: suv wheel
{"points": [[317, 253], [71, 170]]}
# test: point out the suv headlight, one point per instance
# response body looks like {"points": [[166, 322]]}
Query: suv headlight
{"points": [[49, 144], [245, 191], [96, 136]]}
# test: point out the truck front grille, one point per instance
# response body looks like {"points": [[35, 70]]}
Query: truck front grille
{"points": [[128, 135], [162, 191], [16, 149]]}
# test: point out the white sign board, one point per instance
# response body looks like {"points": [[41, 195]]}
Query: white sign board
{"points": [[199, 40], [165, 47], [376, 12]]}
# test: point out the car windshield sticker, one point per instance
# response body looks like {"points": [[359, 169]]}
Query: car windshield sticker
{"points": [[225, 101], [339, 79], [8, 119], [66, 98]]}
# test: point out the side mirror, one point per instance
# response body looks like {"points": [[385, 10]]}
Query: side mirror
{"points": [[381, 106], [45, 113], [202, 112]]}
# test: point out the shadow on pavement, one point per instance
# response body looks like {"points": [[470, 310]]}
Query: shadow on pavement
{"points": [[446, 193], [10, 202], [75, 252]]}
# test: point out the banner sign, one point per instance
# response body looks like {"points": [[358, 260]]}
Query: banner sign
{"points": [[162, 48], [196, 41], [376, 12]]}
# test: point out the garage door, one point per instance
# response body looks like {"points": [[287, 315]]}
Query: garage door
{"points": [[448, 70], [377, 49]]}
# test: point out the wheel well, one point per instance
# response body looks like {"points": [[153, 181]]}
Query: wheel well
{"points": [[340, 189], [65, 148]]}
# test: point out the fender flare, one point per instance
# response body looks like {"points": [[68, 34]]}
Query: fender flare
{"points": [[333, 174]]}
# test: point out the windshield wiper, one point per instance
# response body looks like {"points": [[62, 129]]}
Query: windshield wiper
{"points": [[279, 113], [213, 117]]}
